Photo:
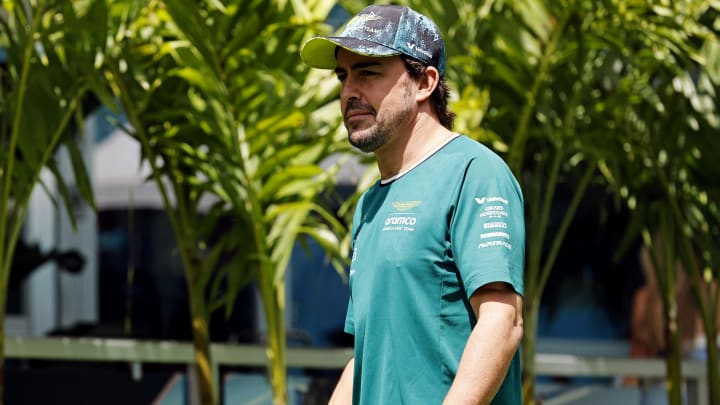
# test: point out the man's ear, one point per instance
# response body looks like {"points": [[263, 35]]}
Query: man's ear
{"points": [[427, 83]]}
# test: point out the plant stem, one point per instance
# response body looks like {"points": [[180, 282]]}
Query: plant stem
{"points": [[201, 337]]}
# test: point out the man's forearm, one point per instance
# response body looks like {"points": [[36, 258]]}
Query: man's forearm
{"points": [[343, 390], [487, 355]]}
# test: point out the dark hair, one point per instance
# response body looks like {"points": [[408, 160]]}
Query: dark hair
{"points": [[439, 97]]}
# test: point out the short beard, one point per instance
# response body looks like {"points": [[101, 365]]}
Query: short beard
{"points": [[385, 122], [372, 141]]}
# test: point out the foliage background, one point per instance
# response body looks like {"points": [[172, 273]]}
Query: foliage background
{"points": [[618, 97]]}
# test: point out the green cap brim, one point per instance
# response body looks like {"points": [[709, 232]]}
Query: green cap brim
{"points": [[319, 52]]}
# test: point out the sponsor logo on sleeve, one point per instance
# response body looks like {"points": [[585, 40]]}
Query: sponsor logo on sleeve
{"points": [[483, 200], [494, 209], [495, 235], [492, 243]]}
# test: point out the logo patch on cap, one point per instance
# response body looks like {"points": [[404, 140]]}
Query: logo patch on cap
{"points": [[363, 18]]}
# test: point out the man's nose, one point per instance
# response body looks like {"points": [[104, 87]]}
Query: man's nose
{"points": [[348, 89]]}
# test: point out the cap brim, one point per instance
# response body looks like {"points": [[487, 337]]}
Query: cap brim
{"points": [[319, 52]]}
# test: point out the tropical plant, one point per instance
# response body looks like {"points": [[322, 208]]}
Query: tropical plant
{"points": [[49, 73], [235, 127], [666, 172]]}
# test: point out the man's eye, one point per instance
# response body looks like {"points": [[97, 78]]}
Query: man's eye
{"points": [[367, 73], [341, 77]]}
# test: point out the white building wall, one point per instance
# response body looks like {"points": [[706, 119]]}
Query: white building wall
{"points": [[78, 293], [41, 293], [52, 298]]}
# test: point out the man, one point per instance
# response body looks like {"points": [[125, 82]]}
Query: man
{"points": [[438, 243]]}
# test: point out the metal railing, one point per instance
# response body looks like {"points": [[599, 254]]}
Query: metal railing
{"points": [[137, 352]]}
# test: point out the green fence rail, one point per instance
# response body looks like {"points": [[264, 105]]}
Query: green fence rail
{"points": [[137, 352]]}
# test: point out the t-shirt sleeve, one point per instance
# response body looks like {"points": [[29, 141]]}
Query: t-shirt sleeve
{"points": [[488, 227]]}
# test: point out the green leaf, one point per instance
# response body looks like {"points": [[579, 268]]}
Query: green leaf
{"points": [[290, 180], [82, 179], [63, 191]]}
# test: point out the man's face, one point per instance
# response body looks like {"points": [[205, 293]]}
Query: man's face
{"points": [[376, 97]]}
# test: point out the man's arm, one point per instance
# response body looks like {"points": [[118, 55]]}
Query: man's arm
{"points": [[491, 346], [343, 390]]}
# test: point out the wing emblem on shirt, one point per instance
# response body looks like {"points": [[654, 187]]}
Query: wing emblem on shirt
{"points": [[405, 205]]}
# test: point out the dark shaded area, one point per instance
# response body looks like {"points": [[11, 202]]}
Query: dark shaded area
{"points": [[143, 291], [28, 257], [82, 383], [590, 289]]}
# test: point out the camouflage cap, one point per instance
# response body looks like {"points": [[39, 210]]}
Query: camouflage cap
{"points": [[381, 30]]}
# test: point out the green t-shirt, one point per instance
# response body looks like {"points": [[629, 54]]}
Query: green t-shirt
{"points": [[422, 244]]}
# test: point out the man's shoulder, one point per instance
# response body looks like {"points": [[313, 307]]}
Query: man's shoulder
{"points": [[471, 150]]}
